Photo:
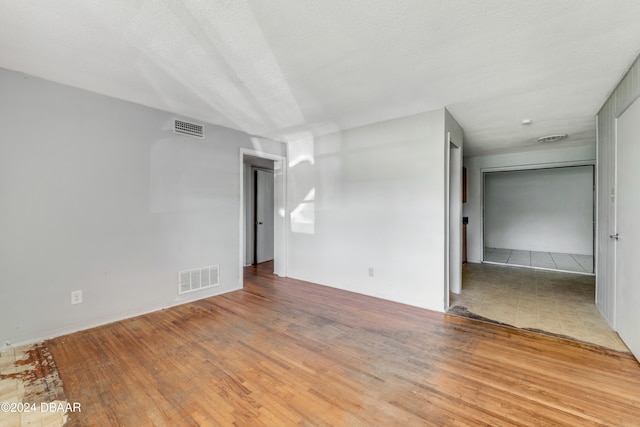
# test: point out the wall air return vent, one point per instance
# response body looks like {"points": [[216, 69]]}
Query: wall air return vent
{"points": [[197, 279], [187, 128]]}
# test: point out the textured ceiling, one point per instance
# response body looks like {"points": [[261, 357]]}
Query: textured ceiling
{"points": [[283, 68]]}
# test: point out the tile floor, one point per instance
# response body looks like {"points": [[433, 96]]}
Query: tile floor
{"points": [[12, 391], [551, 301], [546, 260]]}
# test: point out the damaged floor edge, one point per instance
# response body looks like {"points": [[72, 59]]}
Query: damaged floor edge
{"points": [[31, 391], [550, 302], [464, 312]]}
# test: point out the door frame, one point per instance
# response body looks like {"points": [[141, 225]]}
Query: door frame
{"points": [[280, 211], [453, 220]]}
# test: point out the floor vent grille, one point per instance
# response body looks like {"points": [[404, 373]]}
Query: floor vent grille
{"points": [[186, 128], [197, 279]]}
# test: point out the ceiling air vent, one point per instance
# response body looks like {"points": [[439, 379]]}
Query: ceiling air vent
{"points": [[186, 128], [553, 138]]}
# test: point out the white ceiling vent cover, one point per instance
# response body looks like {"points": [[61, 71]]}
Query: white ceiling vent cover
{"points": [[187, 128], [197, 279]]}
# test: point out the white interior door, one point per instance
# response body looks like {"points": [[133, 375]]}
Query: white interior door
{"points": [[628, 228], [264, 216]]}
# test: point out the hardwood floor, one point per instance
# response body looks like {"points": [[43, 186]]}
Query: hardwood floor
{"points": [[286, 352]]}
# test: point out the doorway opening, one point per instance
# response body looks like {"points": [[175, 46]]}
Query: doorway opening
{"points": [[262, 211], [259, 210], [540, 218]]}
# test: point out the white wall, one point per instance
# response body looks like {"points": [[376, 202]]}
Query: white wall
{"points": [[548, 210], [98, 194], [523, 160], [627, 91], [372, 197]]}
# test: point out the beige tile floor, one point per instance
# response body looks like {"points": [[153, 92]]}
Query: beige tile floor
{"points": [[551, 301], [12, 391]]}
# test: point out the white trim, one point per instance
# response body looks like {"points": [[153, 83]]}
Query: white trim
{"points": [[613, 229], [453, 220], [596, 210], [539, 166], [447, 219]]}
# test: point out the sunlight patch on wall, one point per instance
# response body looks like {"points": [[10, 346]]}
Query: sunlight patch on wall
{"points": [[300, 149], [303, 216], [300, 152]]}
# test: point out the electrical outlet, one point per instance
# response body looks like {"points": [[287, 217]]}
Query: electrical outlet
{"points": [[370, 271], [76, 297]]}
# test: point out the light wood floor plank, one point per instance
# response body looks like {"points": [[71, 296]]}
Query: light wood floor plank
{"points": [[286, 352]]}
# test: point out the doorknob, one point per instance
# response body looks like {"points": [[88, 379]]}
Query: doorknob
{"points": [[259, 222], [614, 236]]}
